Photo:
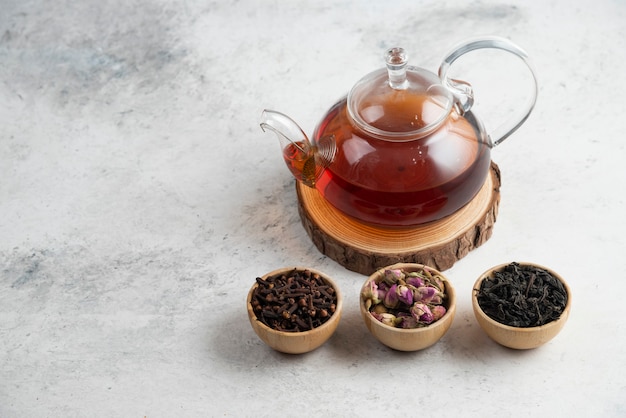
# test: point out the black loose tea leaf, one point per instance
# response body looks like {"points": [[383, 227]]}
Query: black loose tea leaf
{"points": [[522, 296]]}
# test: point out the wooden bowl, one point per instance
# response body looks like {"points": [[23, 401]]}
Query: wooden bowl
{"points": [[409, 339], [302, 341], [516, 337]]}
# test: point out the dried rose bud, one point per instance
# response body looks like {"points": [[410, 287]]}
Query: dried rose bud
{"points": [[383, 288], [389, 319], [437, 299], [414, 280], [406, 299], [391, 298], [406, 321], [422, 313], [424, 294], [437, 282], [371, 291], [370, 294], [380, 308], [392, 276], [405, 295], [438, 311]]}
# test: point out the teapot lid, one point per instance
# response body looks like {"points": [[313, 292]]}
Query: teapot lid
{"points": [[399, 102]]}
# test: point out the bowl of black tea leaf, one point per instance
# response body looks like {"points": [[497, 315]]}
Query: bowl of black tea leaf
{"points": [[521, 305], [294, 310]]}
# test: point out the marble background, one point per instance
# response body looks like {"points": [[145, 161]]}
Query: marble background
{"points": [[139, 200]]}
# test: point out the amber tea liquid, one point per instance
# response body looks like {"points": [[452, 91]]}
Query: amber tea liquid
{"points": [[393, 183]]}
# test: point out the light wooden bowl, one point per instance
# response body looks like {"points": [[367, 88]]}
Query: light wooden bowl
{"points": [[516, 337], [409, 339], [296, 342]]}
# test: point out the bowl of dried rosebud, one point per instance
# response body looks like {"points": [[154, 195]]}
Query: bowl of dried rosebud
{"points": [[407, 307], [521, 305], [294, 310]]}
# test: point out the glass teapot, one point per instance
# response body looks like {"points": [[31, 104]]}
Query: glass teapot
{"points": [[403, 148]]}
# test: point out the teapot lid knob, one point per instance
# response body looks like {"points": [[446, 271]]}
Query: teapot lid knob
{"points": [[397, 59]]}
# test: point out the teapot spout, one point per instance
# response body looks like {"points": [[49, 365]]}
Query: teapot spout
{"points": [[302, 157]]}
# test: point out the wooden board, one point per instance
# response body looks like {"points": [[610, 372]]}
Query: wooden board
{"points": [[365, 248]]}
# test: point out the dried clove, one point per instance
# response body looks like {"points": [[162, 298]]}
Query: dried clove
{"points": [[293, 302]]}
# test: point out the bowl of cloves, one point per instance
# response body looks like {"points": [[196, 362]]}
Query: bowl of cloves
{"points": [[294, 310], [407, 306], [521, 305]]}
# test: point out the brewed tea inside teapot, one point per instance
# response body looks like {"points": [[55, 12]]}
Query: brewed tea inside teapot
{"points": [[403, 148]]}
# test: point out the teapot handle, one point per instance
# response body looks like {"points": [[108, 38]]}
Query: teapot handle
{"points": [[462, 89]]}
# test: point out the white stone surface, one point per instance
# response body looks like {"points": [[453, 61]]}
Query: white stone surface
{"points": [[139, 200]]}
